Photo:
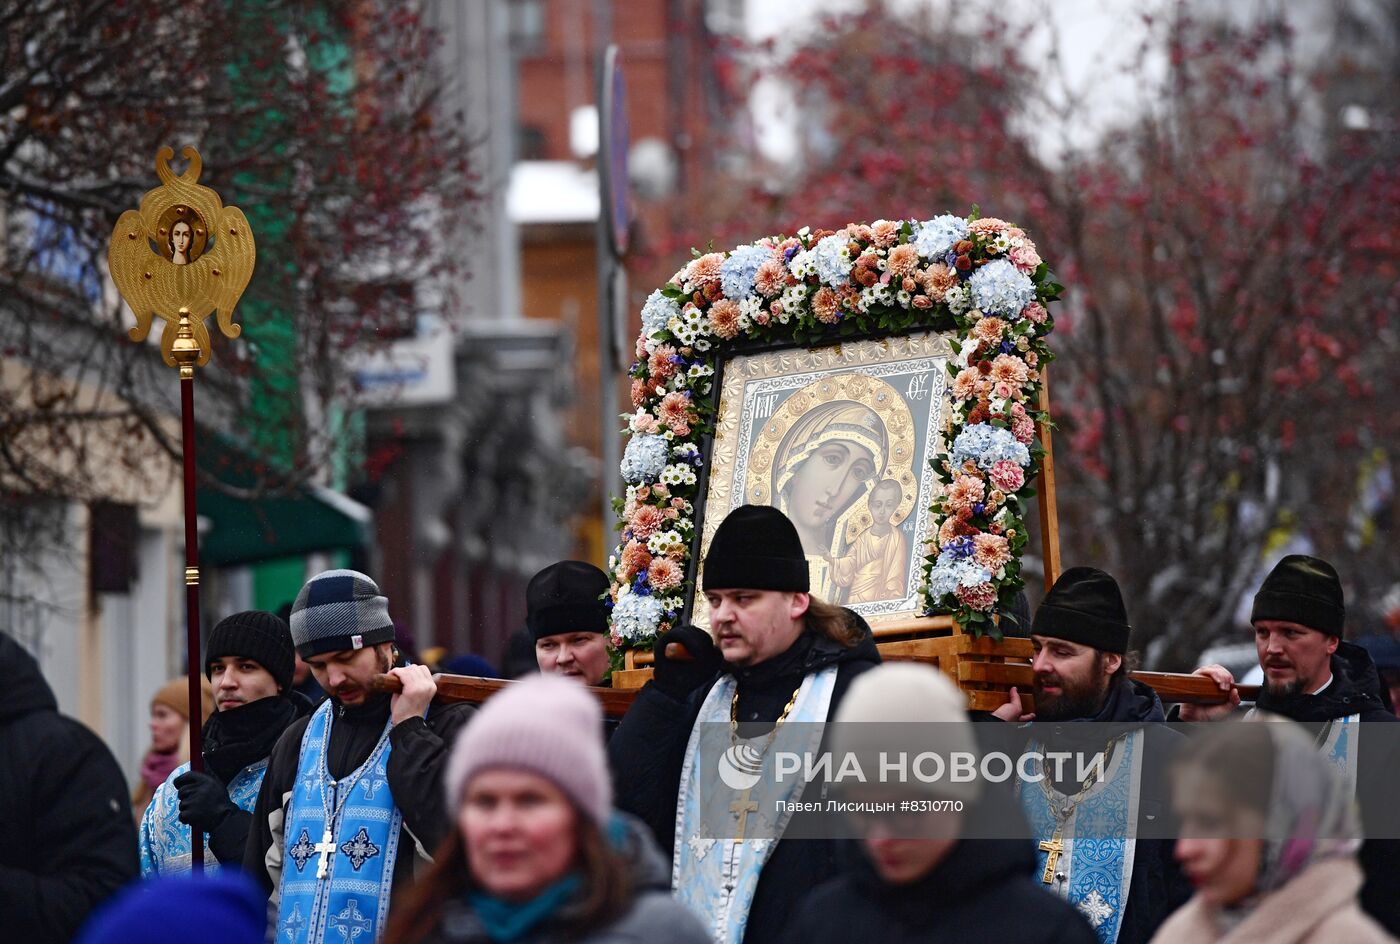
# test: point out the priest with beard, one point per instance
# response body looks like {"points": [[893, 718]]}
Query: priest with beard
{"points": [[1331, 687], [1104, 843]]}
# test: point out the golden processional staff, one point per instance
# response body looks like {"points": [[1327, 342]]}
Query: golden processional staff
{"points": [[181, 257]]}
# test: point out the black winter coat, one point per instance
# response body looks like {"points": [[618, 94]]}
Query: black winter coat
{"points": [[418, 751], [648, 750], [1356, 690], [1157, 886], [69, 841], [983, 891]]}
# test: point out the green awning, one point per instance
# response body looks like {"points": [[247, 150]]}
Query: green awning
{"points": [[300, 520]]}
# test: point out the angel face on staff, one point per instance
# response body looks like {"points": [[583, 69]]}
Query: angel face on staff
{"points": [[181, 240]]}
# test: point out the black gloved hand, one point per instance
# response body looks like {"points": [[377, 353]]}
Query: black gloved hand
{"points": [[204, 802], [678, 677]]}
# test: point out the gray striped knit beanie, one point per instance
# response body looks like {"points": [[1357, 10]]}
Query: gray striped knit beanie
{"points": [[339, 610]]}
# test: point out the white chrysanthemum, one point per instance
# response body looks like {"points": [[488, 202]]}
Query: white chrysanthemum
{"points": [[959, 299], [804, 264]]}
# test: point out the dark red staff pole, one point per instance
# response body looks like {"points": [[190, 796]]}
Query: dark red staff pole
{"points": [[186, 352]]}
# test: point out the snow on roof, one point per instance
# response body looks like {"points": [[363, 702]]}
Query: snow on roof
{"points": [[552, 192]]}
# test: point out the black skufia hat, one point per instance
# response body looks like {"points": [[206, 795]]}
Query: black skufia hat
{"points": [[1303, 590], [756, 548], [1085, 606], [253, 634], [566, 598]]}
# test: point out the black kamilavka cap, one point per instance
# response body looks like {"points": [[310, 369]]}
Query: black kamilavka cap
{"points": [[756, 548], [1085, 606]]}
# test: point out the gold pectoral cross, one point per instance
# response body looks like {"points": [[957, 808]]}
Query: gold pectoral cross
{"points": [[1053, 848], [742, 807], [327, 848]]}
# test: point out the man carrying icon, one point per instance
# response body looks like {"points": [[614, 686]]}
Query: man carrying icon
{"points": [[778, 656]]}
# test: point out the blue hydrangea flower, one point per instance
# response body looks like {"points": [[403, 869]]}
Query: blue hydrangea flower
{"points": [[950, 572], [985, 445], [644, 458], [935, 238], [658, 312], [833, 260], [736, 274], [999, 288], [637, 616]]}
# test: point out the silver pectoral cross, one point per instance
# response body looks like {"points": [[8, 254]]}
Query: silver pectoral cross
{"points": [[326, 847]]}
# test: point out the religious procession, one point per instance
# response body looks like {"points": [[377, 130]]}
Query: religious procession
{"points": [[527, 471]]}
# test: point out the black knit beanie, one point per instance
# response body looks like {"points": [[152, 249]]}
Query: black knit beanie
{"points": [[1303, 590], [262, 637], [1086, 607], [566, 598], [756, 548]]}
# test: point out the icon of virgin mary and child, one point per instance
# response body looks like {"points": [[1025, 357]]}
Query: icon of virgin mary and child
{"points": [[826, 474]]}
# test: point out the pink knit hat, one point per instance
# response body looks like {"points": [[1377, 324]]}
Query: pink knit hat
{"points": [[547, 725]]}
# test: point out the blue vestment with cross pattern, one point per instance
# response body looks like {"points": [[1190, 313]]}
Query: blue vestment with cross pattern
{"points": [[350, 903]]}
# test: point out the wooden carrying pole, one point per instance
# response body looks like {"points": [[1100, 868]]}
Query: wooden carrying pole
{"points": [[1183, 689], [1049, 517]]}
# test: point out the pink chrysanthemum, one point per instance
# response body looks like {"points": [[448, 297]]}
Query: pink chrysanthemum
{"points": [[964, 492], [705, 270], [951, 528], [965, 384], [660, 365], [639, 391], [635, 559], [724, 318], [665, 574], [770, 278], [903, 260], [883, 233], [826, 306], [937, 279], [1008, 368], [988, 226], [991, 551], [674, 411], [989, 330], [982, 596], [646, 521], [1007, 475]]}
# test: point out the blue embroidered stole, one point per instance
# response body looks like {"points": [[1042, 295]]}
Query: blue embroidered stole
{"points": [[165, 841], [1339, 746], [1094, 871], [350, 891], [717, 878]]}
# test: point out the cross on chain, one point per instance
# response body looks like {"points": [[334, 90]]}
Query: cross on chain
{"points": [[742, 807], [326, 847], [1053, 848]]}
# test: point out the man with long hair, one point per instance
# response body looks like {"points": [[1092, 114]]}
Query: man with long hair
{"points": [[778, 656], [352, 794]]}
